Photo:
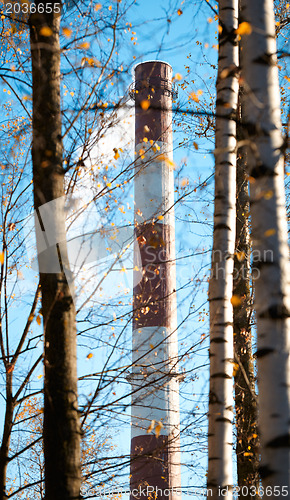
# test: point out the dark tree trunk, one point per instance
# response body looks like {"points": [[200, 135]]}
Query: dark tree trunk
{"points": [[7, 427], [245, 397], [61, 432]]}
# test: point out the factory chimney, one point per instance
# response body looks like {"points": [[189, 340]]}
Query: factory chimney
{"points": [[155, 450]]}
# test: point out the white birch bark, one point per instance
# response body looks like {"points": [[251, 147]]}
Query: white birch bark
{"points": [[262, 133], [221, 282]]}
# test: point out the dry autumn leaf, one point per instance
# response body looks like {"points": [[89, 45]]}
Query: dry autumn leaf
{"points": [[240, 256], [151, 427], [195, 95], [45, 31], [1, 257], [145, 105], [235, 369], [268, 195], [167, 160], [184, 182], [90, 355], [158, 428], [84, 45], [244, 29], [67, 32], [236, 301], [270, 232]]}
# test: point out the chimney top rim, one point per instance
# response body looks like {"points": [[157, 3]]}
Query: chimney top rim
{"points": [[152, 61]]}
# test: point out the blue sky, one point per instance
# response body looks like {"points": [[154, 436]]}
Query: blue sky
{"points": [[186, 41]]}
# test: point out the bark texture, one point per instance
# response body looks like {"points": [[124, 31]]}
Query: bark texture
{"points": [[7, 428], [221, 281], [245, 396], [263, 137], [61, 433]]}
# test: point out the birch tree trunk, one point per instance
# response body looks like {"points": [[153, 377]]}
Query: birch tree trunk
{"points": [[262, 134], [61, 433], [221, 282], [245, 396]]}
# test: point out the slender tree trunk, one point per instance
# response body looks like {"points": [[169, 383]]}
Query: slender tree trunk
{"points": [[245, 396], [221, 281], [7, 427], [262, 133], [61, 433]]}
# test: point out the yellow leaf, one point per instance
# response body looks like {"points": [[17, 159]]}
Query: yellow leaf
{"points": [[194, 96], [38, 320], [145, 105], [45, 31], [151, 346], [165, 158], [160, 217], [178, 76], [268, 195], [67, 32], [158, 428], [179, 12], [98, 6], [94, 62], [110, 7], [90, 355], [270, 232], [1, 257], [195, 146], [40, 376], [116, 155], [84, 45], [220, 28], [151, 426], [244, 29], [235, 369], [240, 256], [236, 300], [184, 182]]}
